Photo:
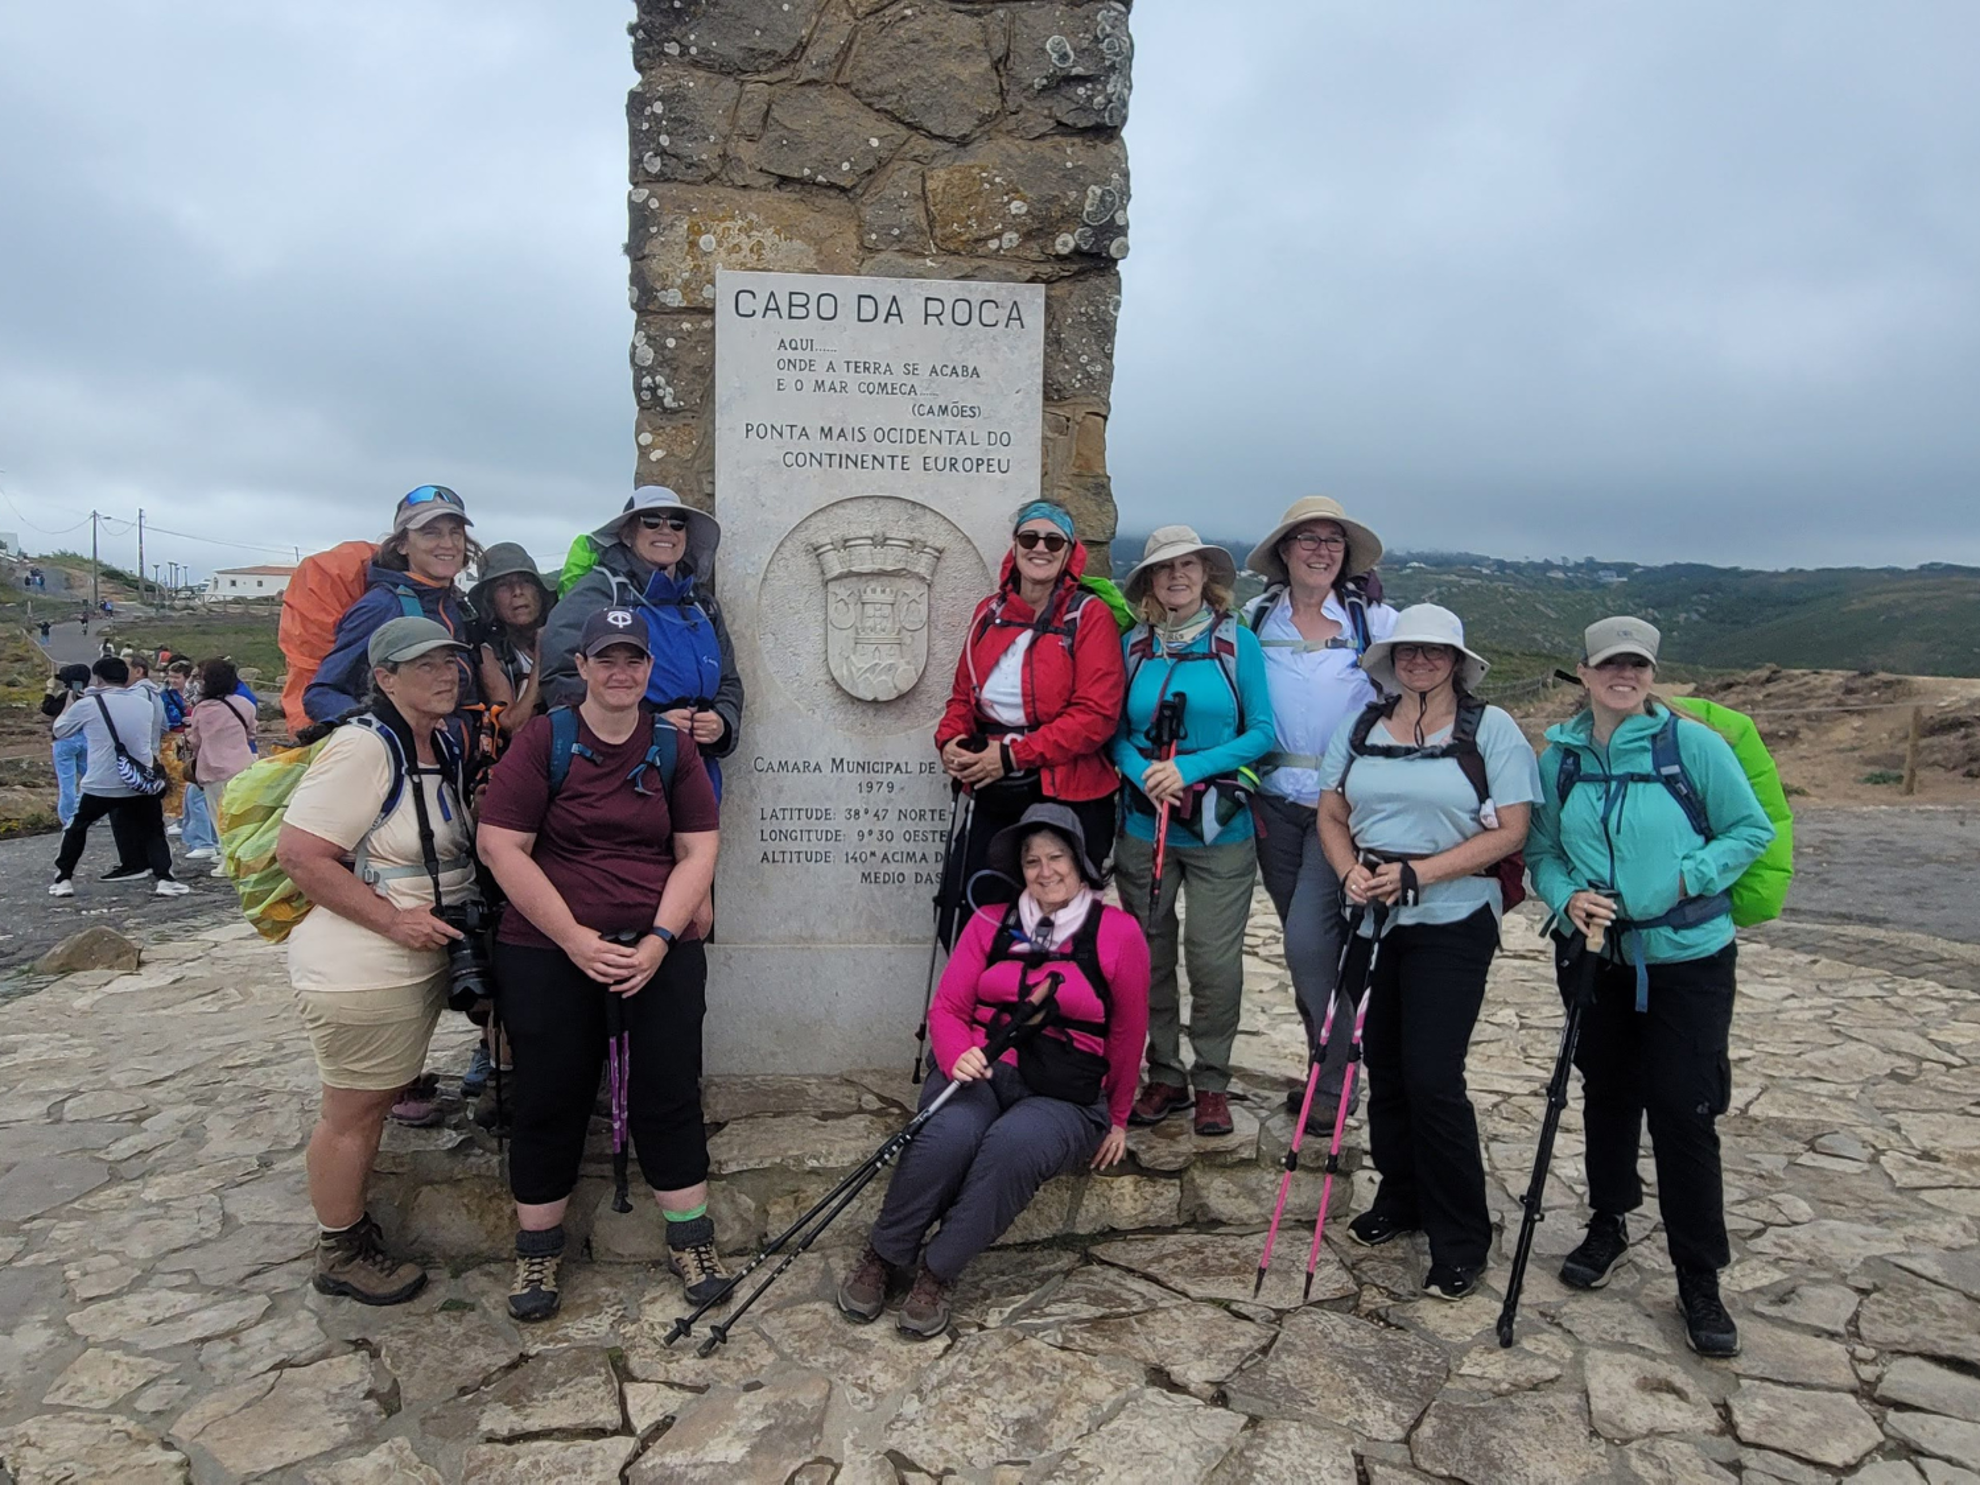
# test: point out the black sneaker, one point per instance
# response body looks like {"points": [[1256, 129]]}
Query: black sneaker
{"points": [[1593, 1264], [125, 874], [1320, 1118], [1376, 1227], [539, 1257], [1708, 1329], [1449, 1281]]}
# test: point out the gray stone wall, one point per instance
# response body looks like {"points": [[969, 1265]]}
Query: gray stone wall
{"points": [[895, 137]]}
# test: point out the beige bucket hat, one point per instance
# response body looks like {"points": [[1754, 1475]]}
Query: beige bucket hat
{"points": [[1364, 547], [1423, 624], [1165, 544]]}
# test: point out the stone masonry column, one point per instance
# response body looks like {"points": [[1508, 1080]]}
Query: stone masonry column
{"points": [[908, 138]]}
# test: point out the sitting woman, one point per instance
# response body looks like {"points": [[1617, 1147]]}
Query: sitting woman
{"points": [[1036, 698], [1427, 794], [1059, 1100], [599, 824], [376, 831]]}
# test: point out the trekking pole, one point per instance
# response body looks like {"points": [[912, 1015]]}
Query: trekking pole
{"points": [[1164, 732], [1319, 1055], [841, 1196], [1557, 1087], [1380, 913], [960, 815], [618, 1069]]}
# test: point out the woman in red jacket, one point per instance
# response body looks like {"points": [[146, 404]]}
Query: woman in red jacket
{"points": [[1036, 701]]}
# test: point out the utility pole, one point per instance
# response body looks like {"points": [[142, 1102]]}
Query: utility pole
{"points": [[140, 571], [95, 590]]}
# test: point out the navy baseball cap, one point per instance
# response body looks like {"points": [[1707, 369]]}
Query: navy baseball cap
{"points": [[613, 626]]}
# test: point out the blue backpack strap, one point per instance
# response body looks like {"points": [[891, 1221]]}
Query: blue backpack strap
{"points": [[1668, 762], [663, 755], [563, 742], [1567, 773], [409, 605], [394, 752], [1356, 603]]}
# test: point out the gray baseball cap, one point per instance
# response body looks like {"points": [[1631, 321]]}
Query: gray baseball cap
{"points": [[1621, 635], [403, 639]]}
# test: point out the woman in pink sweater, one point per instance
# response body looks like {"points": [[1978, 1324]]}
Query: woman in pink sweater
{"points": [[1058, 1100], [219, 736]]}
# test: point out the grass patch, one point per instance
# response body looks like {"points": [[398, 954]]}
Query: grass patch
{"points": [[1883, 776], [248, 638]]}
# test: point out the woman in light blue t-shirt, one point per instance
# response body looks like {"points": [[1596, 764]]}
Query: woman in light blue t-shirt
{"points": [[1426, 795]]}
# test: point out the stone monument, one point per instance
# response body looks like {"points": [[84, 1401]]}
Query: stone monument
{"points": [[874, 249]]}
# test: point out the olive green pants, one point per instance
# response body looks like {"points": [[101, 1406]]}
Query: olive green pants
{"points": [[1217, 881]]}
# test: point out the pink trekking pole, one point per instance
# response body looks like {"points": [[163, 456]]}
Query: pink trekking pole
{"points": [[1381, 913], [1291, 1161]]}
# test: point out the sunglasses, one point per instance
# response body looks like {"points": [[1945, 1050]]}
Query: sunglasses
{"points": [[667, 523], [428, 494], [1052, 541]]}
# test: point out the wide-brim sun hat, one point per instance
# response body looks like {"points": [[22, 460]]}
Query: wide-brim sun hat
{"points": [[704, 532], [1423, 624], [1007, 845], [1166, 544], [1364, 547], [505, 559]]}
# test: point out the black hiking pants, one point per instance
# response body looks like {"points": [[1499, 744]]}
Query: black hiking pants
{"points": [[1670, 1062], [1422, 1131], [137, 823]]}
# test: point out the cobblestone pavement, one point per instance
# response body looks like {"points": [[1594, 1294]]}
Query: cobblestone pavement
{"points": [[156, 1322]]}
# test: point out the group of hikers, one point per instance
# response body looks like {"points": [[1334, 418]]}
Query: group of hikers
{"points": [[548, 763]]}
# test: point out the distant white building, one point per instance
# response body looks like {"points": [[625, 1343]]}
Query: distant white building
{"points": [[248, 582]]}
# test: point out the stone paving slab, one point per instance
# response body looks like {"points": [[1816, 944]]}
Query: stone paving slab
{"points": [[156, 1322]]}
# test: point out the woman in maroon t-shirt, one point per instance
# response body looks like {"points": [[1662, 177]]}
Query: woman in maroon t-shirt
{"points": [[603, 877]]}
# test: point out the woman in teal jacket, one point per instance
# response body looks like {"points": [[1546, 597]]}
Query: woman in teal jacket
{"points": [[1190, 651], [1645, 851]]}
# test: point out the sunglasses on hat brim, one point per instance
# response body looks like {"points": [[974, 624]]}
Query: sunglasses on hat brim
{"points": [[429, 495]]}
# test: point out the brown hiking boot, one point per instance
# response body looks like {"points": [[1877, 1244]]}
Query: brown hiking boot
{"points": [[1213, 1114], [864, 1292], [354, 1263], [926, 1313], [1157, 1102], [691, 1255]]}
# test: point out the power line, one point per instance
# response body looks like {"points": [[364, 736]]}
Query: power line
{"points": [[246, 546], [43, 530]]}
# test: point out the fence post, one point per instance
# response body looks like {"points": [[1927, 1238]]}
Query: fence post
{"points": [[1911, 751]]}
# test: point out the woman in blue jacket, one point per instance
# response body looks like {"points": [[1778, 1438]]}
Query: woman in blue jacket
{"points": [[1617, 846], [1190, 650]]}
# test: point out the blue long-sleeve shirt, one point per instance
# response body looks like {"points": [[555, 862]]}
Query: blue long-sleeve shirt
{"points": [[1217, 741]]}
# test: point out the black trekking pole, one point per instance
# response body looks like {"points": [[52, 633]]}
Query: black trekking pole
{"points": [[962, 813], [1164, 732], [1557, 1089], [841, 1196]]}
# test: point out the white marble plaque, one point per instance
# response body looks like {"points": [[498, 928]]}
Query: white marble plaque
{"points": [[873, 437]]}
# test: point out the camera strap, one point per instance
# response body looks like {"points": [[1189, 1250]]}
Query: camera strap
{"points": [[429, 850]]}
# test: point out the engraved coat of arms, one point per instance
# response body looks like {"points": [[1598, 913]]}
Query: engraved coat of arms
{"points": [[876, 612]]}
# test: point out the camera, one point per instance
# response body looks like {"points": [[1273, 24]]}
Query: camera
{"points": [[470, 983]]}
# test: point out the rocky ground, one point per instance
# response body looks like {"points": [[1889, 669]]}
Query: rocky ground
{"points": [[156, 1323]]}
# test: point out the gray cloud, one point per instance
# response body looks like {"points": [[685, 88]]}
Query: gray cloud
{"points": [[1671, 281]]}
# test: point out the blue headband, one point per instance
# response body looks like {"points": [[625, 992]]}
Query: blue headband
{"points": [[1045, 510]]}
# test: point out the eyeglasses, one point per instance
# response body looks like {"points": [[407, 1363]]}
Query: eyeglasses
{"points": [[1317, 541], [1052, 541], [427, 494], [666, 523], [1627, 662], [1421, 652]]}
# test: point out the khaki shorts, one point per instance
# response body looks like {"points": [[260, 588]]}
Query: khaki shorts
{"points": [[371, 1040]]}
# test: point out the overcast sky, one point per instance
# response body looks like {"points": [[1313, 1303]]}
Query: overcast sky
{"points": [[1654, 281]]}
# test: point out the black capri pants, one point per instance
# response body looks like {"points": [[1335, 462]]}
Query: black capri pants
{"points": [[554, 1016]]}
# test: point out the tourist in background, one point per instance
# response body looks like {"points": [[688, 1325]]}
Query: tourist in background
{"points": [[1313, 621], [1189, 649], [604, 876], [220, 742], [1617, 850], [368, 962], [71, 751], [1425, 795], [418, 561], [1035, 702], [110, 712], [1057, 1103]]}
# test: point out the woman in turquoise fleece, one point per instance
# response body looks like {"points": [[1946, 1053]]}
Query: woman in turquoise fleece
{"points": [[1189, 645], [1614, 847]]}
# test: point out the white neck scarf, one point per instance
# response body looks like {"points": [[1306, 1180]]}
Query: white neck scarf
{"points": [[1062, 925]]}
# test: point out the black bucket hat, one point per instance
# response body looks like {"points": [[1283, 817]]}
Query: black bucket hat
{"points": [[506, 559], [1007, 844]]}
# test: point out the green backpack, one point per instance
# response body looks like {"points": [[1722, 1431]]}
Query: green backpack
{"points": [[1762, 889], [582, 557]]}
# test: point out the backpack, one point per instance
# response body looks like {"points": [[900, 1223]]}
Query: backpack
{"points": [[1761, 891], [662, 753], [1223, 649], [1461, 747], [320, 592], [140, 778], [1052, 1065], [250, 820], [175, 708], [1354, 598], [580, 559]]}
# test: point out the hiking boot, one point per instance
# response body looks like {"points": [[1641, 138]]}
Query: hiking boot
{"points": [[1157, 1102], [354, 1263], [417, 1107], [62, 887], [926, 1313], [1320, 1118], [480, 1067], [1213, 1114], [1375, 1227], [1593, 1264], [691, 1255], [1450, 1280], [1708, 1329], [496, 1114], [864, 1292], [170, 887], [125, 874], [539, 1255]]}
